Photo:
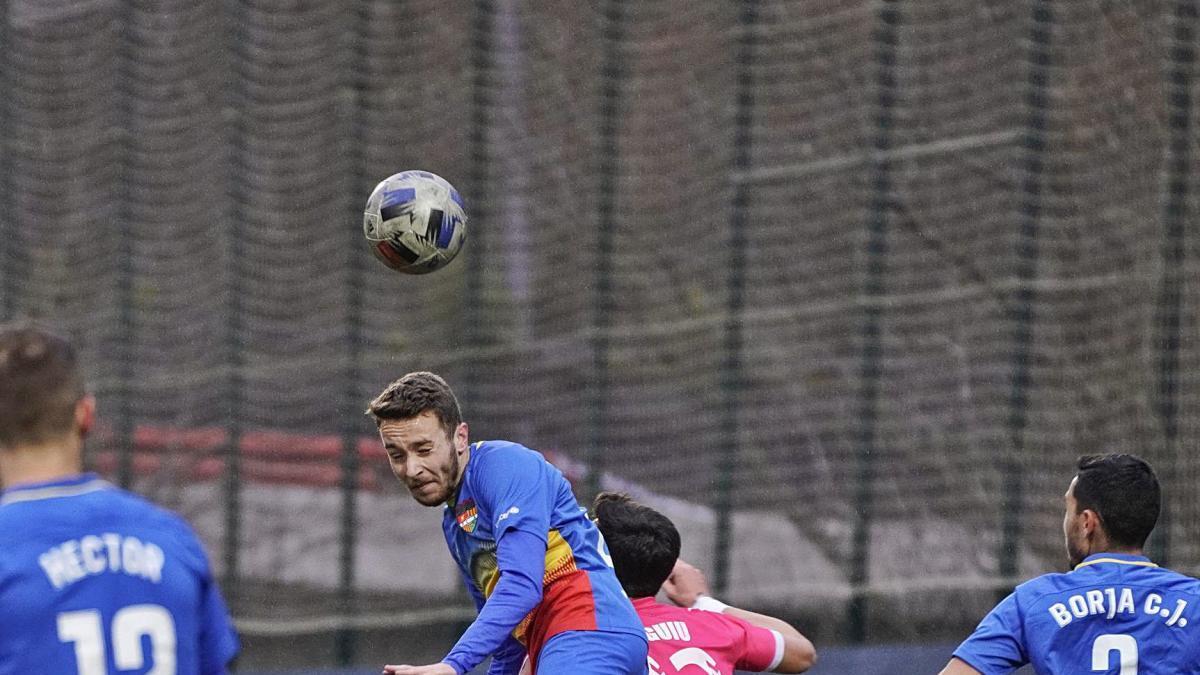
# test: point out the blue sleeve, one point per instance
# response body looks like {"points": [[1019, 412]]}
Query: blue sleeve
{"points": [[218, 639], [521, 559], [997, 647], [516, 488], [508, 659]]}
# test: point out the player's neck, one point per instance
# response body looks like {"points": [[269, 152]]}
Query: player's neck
{"points": [[1119, 551], [1103, 545], [41, 463], [462, 471]]}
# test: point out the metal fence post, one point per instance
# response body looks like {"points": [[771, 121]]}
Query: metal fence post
{"points": [[234, 311], [1178, 162], [345, 641], [731, 374], [482, 104], [612, 80], [9, 258], [1023, 314], [886, 39], [126, 271]]}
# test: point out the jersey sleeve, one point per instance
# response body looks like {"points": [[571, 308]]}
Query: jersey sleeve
{"points": [[508, 658], [218, 639], [998, 646], [756, 648], [514, 488], [521, 560]]}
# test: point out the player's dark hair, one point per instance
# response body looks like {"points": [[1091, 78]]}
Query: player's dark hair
{"points": [[643, 543], [40, 385], [1124, 492], [412, 395]]}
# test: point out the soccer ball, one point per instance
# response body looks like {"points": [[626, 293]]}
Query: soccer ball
{"points": [[415, 222]]}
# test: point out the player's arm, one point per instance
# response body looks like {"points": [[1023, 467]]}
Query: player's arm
{"points": [[218, 639], [512, 491], [958, 667], [997, 645], [521, 558], [508, 659], [687, 587]]}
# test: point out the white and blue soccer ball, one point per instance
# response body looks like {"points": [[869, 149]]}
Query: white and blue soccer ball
{"points": [[415, 222]]}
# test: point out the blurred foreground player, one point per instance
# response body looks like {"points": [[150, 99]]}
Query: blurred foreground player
{"points": [[1115, 612], [531, 559], [645, 551], [93, 580]]}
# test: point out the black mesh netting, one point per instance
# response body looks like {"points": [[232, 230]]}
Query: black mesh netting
{"points": [[954, 248]]}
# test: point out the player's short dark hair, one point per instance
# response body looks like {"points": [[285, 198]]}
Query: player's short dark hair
{"points": [[412, 395], [40, 385], [643, 543], [1123, 490]]}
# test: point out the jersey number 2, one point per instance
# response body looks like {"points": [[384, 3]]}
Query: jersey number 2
{"points": [[129, 625], [1125, 647]]}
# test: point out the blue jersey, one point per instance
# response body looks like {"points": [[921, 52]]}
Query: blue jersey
{"points": [[1115, 613], [508, 494], [95, 581]]}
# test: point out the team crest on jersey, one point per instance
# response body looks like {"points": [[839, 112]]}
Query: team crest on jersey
{"points": [[467, 515]]}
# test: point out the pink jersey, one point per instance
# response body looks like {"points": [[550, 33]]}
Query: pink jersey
{"points": [[696, 642]]}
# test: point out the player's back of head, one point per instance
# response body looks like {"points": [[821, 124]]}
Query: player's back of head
{"points": [[40, 385], [643, 543], [1123, 490]]}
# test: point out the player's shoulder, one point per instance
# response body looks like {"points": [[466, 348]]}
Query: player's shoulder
{"points": [[657, 612], [505, 454], [162, 522], [1169, 579], [154, 513], [1046, 583], [102, 506], [1117, 572]]}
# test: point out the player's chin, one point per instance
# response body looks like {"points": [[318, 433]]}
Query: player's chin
{"points": [[429, 494]]}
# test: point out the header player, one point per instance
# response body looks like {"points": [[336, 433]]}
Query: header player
{"points": [[531, 559], [93, 579], [645, 551], [1115, 612]]}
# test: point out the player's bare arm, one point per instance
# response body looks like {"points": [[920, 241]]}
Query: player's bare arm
{"points": [[958, 667], [687, 585]]}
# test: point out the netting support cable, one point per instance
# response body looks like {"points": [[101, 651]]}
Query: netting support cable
{"points": [[886, 40], [476, 251], [949, 147], [612, 79], [731, 373], [1182, 59], [235, 312], [126, 312], [1027, 254], [345, 642]]}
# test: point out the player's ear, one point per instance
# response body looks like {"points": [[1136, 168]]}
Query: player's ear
{"points": [[85, 414], [461, 437], [1090, 521]]}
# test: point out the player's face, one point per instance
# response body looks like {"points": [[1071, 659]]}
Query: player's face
{"points": [[1073, 530], [424, 457]]}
